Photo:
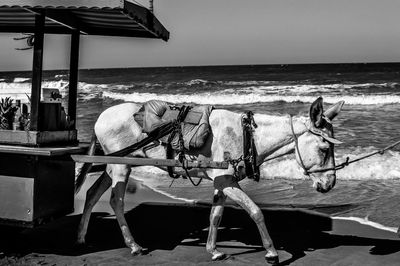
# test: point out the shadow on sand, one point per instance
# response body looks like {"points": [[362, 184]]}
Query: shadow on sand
{"points": [[165, 226]]}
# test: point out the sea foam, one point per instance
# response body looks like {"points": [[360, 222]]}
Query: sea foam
{"points": [[229, 98], [224, 93], [365, 221], [378, 167], [382, 167]]}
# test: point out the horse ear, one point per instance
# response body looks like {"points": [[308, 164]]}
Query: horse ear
{"points": [[334, 110], [316, 112]]}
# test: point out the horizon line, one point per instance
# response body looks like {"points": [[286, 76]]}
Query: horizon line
{"points": [[228, 65]]}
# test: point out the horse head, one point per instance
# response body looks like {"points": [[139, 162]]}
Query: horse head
{"points": [[315, 148]]}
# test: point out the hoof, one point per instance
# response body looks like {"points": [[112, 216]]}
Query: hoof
{"points": [[140, 251], [80, 245], [219, 256], [272, 260]]}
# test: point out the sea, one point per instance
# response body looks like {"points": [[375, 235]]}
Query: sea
{"points": [[367, 191]]}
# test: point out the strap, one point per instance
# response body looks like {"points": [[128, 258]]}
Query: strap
{"points": [[250, 155], [154, 135], [296, 143], [184, 110]]}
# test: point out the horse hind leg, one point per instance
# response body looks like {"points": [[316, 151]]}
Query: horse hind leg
{"points": [[241, 198], [120, 175], [215, 219], [92, 197]]}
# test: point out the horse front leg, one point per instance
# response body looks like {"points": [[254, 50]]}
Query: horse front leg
{"points": [[215, 219], [120, 175], [241, 198]]}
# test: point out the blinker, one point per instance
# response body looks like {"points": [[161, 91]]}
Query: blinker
{"points": [[324, 136]]}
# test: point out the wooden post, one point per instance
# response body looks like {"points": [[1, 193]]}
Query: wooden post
{"points": [[37, 70], [148, 161], [73, 76]]}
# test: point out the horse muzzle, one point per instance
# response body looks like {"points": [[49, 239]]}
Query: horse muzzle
{"points": [[328, 185]]}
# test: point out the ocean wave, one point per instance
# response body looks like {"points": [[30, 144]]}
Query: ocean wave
{"points": [[19, 90], [196, 82], [279, 85], [247, 83], [19, 80], [312, 88], [151, 177], [249, 92], [229, 98], [365, 221], [378, 167], [20, 87]]}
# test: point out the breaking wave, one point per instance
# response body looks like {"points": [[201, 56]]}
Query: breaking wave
{"points": [[19, 80], [20, 89], [221, 92], [231, 98], [380, 167], [377, 167], [365, 221]]}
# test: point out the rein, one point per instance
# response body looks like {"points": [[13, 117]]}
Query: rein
{"points": [[339, 166], [348, 161]]}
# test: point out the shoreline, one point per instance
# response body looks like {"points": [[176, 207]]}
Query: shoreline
{"points": [[367, 222]]}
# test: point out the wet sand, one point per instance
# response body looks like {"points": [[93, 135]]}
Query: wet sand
{"points": [[176, 233]]}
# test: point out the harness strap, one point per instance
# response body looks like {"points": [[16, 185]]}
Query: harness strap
{"points": [[296, 143], [183, 111], [250, 156], [252, 168], [153, 136]]}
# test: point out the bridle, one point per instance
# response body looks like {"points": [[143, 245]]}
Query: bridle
{"points": [[333, 141], [321, 134]]}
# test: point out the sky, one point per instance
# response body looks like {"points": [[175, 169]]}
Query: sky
{"points": [[231, 32]]}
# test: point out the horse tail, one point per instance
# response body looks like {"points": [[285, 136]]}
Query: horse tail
{"points": [[86, 166]]}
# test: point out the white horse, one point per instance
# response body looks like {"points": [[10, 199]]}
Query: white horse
{"points": [[275, 136]]}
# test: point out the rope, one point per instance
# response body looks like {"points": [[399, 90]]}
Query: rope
{"points": [[348, 161]]}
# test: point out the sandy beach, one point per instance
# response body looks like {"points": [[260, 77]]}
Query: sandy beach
{"points": [[176, 232]]}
